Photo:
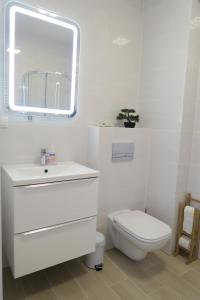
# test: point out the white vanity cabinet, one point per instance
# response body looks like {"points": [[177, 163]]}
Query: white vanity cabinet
{"points": [[48, 223]]}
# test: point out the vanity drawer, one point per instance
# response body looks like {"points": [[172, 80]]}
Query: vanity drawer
{"points": [[37, 250], [37, 206]]}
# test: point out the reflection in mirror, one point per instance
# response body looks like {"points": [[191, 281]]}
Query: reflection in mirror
{"points": [[42, 53]]}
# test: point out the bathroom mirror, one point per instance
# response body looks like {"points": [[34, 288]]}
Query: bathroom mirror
{"points": [[41, 52]]}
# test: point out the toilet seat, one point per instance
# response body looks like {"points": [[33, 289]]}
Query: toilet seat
{"points": [[142, 226]]}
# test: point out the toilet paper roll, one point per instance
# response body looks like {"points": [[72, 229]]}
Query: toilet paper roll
{"points": [[188, 219], [184, 242]]}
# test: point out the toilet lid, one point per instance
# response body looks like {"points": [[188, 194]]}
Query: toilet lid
{"points": [[142, 226]]}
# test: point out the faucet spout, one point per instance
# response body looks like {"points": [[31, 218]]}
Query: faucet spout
{"points": [[43, 157]]}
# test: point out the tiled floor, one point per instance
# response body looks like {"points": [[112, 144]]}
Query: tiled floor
{"points": [[158, 277]]}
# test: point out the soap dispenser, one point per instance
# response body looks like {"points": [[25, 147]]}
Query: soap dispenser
{"points": [[52, 155]]}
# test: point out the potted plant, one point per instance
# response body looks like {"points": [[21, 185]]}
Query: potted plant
{"points": [[130, 116]]}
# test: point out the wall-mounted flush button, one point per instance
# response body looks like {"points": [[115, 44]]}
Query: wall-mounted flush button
{"points": [[123, 151], [3, 122]]}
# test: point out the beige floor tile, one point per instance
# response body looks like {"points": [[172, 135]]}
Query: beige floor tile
{"points": [[37, 288], [166, 293], [128, 291], [139, 272], [175, 264], [196, 265], [13, 288], [122, 260], [91, 283], [63, 284], [110, 274], [160, 273], [157, 277], [180, 286], [154, 258], [193, 277], [150, 280]]}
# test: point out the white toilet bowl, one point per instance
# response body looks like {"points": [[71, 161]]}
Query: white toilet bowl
{"points": [[136, 233]]}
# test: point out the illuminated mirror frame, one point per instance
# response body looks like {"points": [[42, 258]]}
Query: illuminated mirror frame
{"points": [[46, 16]]}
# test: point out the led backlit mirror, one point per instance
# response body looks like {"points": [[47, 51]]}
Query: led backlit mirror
{"points": [[41, 52]]}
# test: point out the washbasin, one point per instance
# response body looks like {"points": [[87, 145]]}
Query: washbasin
{"points": [[25, 174]]}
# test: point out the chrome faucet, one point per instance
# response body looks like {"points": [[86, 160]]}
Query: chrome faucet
{"points": [[43, 157]]}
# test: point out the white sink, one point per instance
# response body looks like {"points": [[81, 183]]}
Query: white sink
{"points": [[34, 174]]}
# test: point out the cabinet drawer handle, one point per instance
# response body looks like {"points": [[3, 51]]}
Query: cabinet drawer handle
{"points": [[32, 232], [53, 183]]}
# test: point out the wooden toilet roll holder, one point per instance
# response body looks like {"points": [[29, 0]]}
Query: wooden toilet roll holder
{"points": [[194, 236]]}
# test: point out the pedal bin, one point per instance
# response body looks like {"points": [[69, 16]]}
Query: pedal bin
{"points": [[94, 260]]}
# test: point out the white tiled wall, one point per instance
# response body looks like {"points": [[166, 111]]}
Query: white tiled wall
{"points": [[109, 78], [165, 46], [189, 103], [194, 93], [191, 166], [169, 102], [109, 74], [163, 64]]}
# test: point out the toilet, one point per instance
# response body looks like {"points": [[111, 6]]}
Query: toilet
{"points": [[136, 233]]}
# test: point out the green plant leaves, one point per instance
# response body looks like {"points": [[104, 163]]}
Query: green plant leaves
{"points": [[128, 114]]}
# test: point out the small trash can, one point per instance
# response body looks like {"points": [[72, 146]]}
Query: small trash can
{"points": [[94, 260]]}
